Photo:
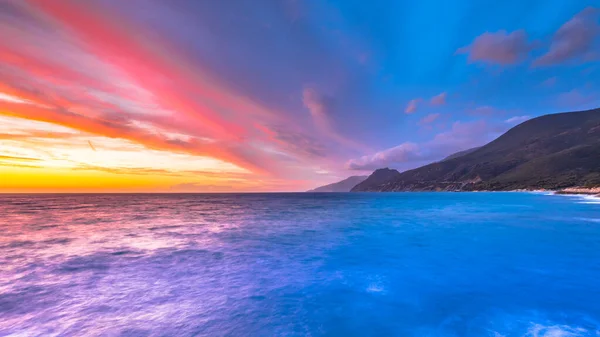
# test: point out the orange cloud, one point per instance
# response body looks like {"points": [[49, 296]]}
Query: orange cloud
{"points": [[114, 130]]}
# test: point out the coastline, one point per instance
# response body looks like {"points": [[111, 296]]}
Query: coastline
{"points": [[583, 192], [593, 191]]}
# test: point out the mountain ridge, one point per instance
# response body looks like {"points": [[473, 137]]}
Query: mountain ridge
{"points": [[378, 177], [548, 152], [341, 186], [461, 153]]}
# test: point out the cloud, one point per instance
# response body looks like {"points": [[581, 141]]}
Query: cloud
{"points": [[294, 142], [322, 108], [498, 48], [429, 119], [485, 110], [574, 40], [397, 155], [517, 119], [91, 146], [124, 129], [2, 157], [461, 136], [9, 98], [412, 105], [575, 99], [439, 99]]}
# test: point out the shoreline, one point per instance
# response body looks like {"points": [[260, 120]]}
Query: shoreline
{"points": [[594, 191]]}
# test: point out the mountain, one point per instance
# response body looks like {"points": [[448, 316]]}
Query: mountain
{"points": [[341, 186], [549, 152], [377, 178], [460, 154]]}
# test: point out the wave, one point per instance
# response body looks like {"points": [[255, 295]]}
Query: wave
{"points": [[539, 330], [375, 288], [582, 198], [590, 199], [536, 323]]}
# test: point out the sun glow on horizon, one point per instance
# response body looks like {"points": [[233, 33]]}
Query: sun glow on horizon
{"points": [[43, 157]]}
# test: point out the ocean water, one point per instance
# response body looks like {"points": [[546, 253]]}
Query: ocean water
{"points": [[405, 264]]}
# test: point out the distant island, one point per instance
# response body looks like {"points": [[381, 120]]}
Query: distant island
{"points": [[552, 152]]}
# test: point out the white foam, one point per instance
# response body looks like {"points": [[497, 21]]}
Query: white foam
{"points": [[539, 330], [542, 192], [583, 198], [375, 288], [590, 199]]}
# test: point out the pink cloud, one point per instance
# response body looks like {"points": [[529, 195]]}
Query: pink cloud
{"points": [[439, 99], [461, 136], [464, 136], [576, 99], [321, 108], [412, 106], [486, 110], [574, 40], [429, 119], [399, 154], [498, 48]]}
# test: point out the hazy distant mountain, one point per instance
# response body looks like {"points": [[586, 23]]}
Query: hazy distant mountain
{"points": [[377, 179], [550, 152], [341, 186], [459, 154]]}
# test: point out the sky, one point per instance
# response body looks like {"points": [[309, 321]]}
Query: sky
{"points": [[274, 95]]}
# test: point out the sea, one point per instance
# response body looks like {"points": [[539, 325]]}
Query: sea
{"points": [[300, 264]]}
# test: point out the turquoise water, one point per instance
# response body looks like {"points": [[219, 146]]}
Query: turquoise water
{"points": [[405, 264]]}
